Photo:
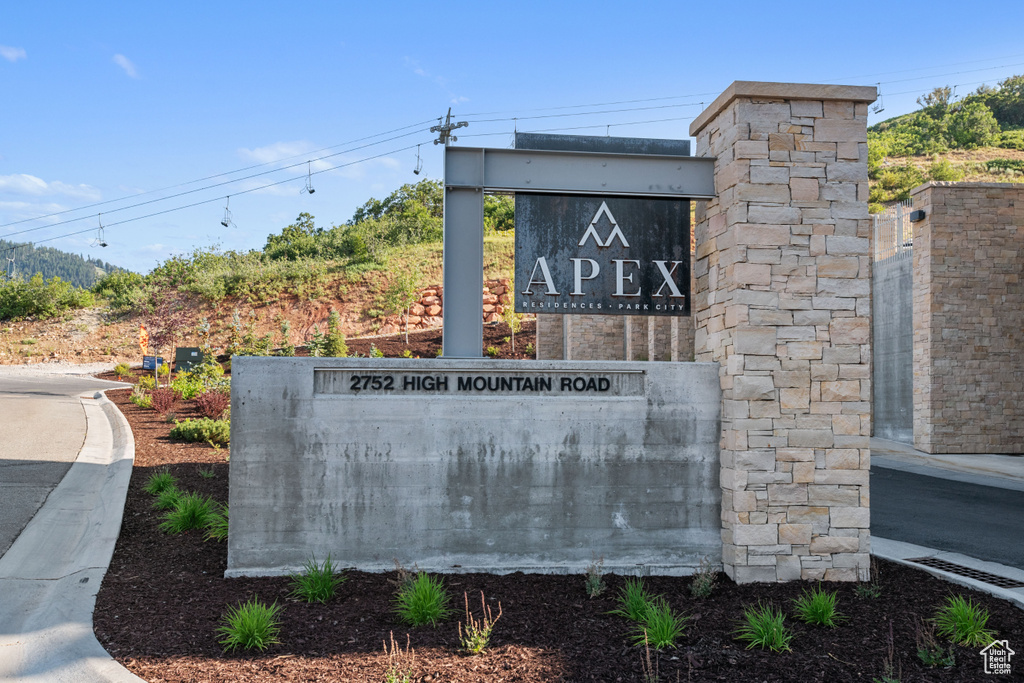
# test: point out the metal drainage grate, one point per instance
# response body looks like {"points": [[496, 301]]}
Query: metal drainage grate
{"points": [[960, 570]]}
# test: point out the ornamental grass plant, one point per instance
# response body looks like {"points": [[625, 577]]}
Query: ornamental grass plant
{"points": [[763, 626], [317, 582], [423, 601], [251, 626]]}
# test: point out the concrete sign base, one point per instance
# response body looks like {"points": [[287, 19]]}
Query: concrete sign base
{"points": [[465, 466]]}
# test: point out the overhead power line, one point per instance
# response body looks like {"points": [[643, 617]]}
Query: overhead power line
{"points": [[215, 199], [209, 187], [218, 175]]}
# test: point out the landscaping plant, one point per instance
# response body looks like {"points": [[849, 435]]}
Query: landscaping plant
{"points": [[212, 404], [704, 580], [401, 663], [217, 524], [963, 622], [594, 580], [661, 627], [161, 400], [160, 481], [167, 499], [192, 511], [204, 429], [478, 633], [929, 651], [122, 370], [317, 582], [423, 601], [818, 607], [634, 601], [252, 625], [764, 627]]}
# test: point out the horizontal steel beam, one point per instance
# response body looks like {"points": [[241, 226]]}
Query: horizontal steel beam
{"points": [[580, 173]]}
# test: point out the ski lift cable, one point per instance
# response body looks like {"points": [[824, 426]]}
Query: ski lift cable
{"points": [[203, 202], [217, 175], [210, 187]]}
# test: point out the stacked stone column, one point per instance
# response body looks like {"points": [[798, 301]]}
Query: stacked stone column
{"points": [[782, 303]]}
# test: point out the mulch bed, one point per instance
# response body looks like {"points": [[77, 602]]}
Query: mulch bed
{"points": [[162, 599]]}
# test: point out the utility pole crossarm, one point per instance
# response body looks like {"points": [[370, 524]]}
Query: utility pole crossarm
{"points": [[445, 129]]}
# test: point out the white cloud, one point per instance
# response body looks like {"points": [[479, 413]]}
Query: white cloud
{"points": [[440, 81], [25, 184], [13, 54], [127, 65], [277, 151]]}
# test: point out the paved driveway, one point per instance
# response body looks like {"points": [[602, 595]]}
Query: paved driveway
{"points": [[42, 429], [983, 522]]}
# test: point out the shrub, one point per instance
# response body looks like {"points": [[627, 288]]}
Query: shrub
{"points": [[594, 580], [375, 352], [335, 346], [159, 482], [217, 524], [212, 404], [963, 622], [423, 601], [39, 298], [818, 607], [764, 627], [252, 625], [123, 290], [192, 511], [704, 580], [215, 432], [492, 351], [140, 398], [529, 349], [161, 400], [187, 385], [661, 627], [634, 601], [146, 382], [478, 633], [122, 370], [317, 582], [943, 170]]}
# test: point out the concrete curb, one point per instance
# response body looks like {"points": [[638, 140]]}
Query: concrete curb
{"points": [[50, 576], [898, 551]]}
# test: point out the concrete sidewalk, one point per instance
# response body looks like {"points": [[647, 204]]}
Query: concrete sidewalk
{"points": [[50, 576], [983, 469]]}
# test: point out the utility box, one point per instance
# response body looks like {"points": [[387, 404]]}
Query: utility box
{"points": [[186, 357]]}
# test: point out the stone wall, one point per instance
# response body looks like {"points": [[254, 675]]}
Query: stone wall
{"points": [[783, 305], [428, 310], [969, 318]]}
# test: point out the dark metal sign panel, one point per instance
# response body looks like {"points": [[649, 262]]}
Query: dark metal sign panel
{"points": [[602, 255]]}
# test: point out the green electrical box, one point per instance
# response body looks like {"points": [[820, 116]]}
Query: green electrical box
{"points": [[185, 357]]}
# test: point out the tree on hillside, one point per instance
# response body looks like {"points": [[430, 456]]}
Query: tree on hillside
{"points": [[301, 238], [971, 125], [1006, 101]]}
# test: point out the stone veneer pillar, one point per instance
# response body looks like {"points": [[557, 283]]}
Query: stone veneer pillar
{"points": [[783, 304], [969, 318]]}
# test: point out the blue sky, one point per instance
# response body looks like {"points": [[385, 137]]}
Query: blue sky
{"points": [[102, 102]]}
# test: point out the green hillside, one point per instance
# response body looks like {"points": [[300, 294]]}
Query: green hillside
{"points": [[977, 137], [72, 268]]}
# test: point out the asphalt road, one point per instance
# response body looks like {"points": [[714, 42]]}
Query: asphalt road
{"points": [[42, 429], [983, 522]]}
